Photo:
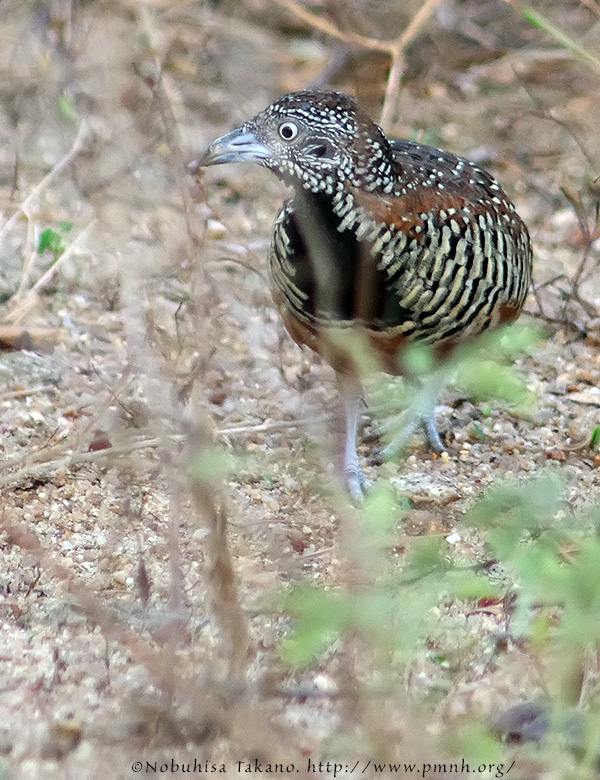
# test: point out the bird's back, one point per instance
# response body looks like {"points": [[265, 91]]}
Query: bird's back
{"points": [[439, 258]]}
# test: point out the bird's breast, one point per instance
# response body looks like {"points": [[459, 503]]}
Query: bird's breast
{"points": [[326, 270]]}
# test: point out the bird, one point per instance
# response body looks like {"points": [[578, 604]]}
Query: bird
{"points": [[384, 242]]}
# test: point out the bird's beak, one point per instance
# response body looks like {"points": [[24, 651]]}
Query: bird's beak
{"points": [[238, 146]]}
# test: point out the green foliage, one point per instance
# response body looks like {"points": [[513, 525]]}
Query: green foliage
{"points": [[391, 607], [483, 369], [595, 438], [511, 511], [66, 109], [319, 617], [474, 740], [388, 609], [392, 610], [53, 241], [551, 558], [418, 360], [211, 465], [426, 558], [481, 434], [556, 566]]}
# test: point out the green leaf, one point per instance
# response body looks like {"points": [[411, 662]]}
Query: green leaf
{"points": [[525, 504], [319, 618], [472, 586], [67, 109], [211, 465], [379, 515], [418, 359], [51, 241], [487, 378], [426, 558], [474, 740], [481, 434]]}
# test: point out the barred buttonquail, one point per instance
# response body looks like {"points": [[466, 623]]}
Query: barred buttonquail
{"points": [[393, 239]]}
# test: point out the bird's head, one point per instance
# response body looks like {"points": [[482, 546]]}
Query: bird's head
{"points": [[315, 139]]}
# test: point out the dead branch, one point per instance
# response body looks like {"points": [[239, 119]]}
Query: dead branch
{"points": [[111, 625], [22, 302], [395, 49], [25, 207]]}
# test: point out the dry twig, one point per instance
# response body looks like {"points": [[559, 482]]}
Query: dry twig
{"points": [[22, 302], [205, 493], [50, 461], [93, 608], [395, 49], [25, 207]]}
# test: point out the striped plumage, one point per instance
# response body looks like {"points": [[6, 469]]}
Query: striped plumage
{"points": [[395, 239]]}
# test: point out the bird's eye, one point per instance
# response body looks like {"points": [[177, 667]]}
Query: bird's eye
{"points": [[288, 131]]}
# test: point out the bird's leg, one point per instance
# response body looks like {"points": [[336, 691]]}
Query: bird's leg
{"points": [[431, 433], [354, 478], [351, 395]]}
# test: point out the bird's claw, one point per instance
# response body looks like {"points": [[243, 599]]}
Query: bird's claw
{"points": [[399, 442], [357, 484]]}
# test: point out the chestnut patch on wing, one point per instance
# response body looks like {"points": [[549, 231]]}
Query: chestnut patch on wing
{"points": [[402, 213]]}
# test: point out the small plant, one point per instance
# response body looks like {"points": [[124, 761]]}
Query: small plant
{"points": [[393, 613], [482, 369], [53, 241]]}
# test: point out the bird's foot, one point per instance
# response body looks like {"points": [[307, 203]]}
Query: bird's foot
{"points": [[356, 483], [399, 442]]}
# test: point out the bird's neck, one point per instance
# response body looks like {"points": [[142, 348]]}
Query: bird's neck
{"points": [[316, 213], [332, 215]]}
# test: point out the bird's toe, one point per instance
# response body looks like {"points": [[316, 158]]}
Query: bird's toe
{"points": [[357, 484]]}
